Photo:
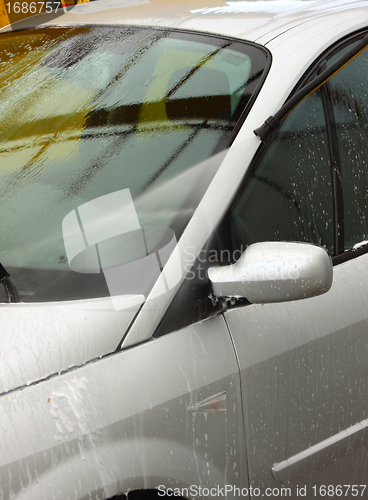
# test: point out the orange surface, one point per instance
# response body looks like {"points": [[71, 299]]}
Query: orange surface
{"points": [[4, 18], [8, 16]]}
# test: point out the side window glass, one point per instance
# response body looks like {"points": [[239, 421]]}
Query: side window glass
{"points": [[289, 195], [350, 103]]}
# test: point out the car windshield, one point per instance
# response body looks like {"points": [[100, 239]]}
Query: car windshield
{"points": [[109, 136]]}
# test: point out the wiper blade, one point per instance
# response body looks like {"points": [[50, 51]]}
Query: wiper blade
{"points": [[273, 122], [10, 288]]}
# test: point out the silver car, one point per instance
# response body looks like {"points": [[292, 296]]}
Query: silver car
{"points": [[184, 251]]}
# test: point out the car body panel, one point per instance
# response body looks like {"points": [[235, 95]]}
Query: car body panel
{"points": [[41, 346], [97, 422], [303, 382]]}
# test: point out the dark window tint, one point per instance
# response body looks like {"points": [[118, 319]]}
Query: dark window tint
{"points": [[350, 102], [289, 196]]}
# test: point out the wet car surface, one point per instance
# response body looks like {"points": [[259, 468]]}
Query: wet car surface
{"points": [[184, 251]]}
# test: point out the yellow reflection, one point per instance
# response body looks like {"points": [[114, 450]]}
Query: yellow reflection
{"points": [[38, 103]]}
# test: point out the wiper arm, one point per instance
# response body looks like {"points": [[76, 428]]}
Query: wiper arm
{"points": [[273, 122], [10, 288]]}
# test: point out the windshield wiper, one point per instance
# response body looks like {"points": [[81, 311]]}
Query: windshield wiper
{"points": [[10, 288], [273, 122]]}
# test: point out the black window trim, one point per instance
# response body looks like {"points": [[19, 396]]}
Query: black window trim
{"points": [[335, 166]]}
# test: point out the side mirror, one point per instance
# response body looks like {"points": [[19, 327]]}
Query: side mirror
{"points": [[275, 272]]}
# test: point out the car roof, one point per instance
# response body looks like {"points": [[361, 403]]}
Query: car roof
{"points": [[254, 20]]}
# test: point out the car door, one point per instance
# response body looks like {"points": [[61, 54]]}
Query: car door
{"points": [[304, 368]]}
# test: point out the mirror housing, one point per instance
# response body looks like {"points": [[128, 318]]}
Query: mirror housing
{"points": [[275, 271]]}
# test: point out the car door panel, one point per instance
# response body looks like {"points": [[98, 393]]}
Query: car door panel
{"points": [[166, 413], [304, 375]]}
